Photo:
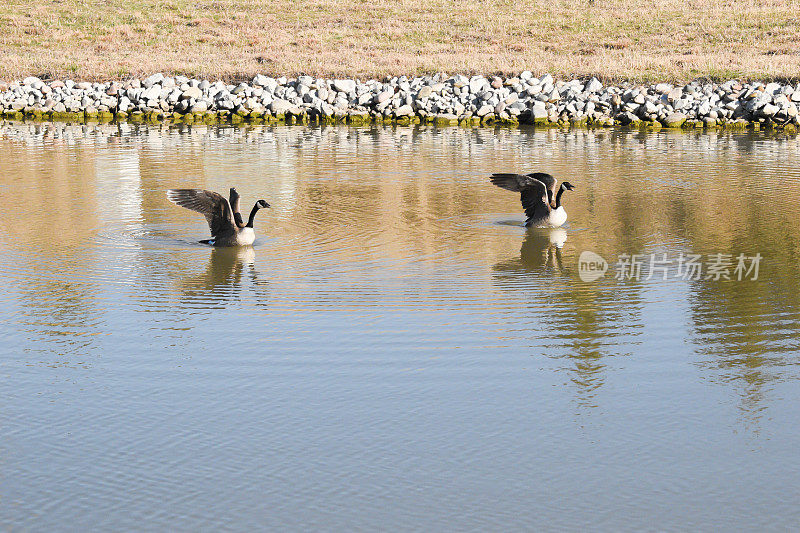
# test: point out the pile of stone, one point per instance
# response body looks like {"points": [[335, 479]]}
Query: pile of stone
{"points": [[439, 99]]}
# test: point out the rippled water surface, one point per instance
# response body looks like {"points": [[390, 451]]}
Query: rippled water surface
{"points": [[396, 352]]}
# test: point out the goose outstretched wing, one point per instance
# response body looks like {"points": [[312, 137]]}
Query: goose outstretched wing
{"points": [[533, 193], [549, 182], [213, 206]]}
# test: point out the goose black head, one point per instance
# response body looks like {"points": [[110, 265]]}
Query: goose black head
{"points": [[567, 186], [262, 203]]}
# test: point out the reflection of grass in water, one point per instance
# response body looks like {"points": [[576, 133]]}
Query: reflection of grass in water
{"points": [[63, 315], [582, 325], [745, 332], [612, 38], [684, 188]]}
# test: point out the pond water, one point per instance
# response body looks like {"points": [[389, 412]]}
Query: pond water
{"points": [[397, 351]]}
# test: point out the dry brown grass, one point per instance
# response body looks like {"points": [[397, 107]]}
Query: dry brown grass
{"points": [[614, 39]]}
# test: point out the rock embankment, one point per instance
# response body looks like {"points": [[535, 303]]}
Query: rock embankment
{"points": [[439, 99]]}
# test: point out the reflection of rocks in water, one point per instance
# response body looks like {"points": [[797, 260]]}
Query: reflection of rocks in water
{"points": [[228, 274]]}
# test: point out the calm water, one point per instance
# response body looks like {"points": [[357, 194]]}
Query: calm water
{"points": [[396, 352]]}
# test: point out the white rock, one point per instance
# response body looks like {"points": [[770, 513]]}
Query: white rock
{"points": [[384, 97], [344, 86], [192, 92], [663, 88], [593, 86], [280, 106], [254, 104], [539, 110], [769, 110], [650, 108], [484, 110], [425, 92], [478, 84], [460, 81], [533, 90], [152, 80], [153, 93]]}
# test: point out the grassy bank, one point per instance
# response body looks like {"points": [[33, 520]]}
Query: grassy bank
{"points": [[614, 39]]}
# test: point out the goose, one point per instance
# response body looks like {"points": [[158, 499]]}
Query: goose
{"points": [[535, 198], [224, 225]]}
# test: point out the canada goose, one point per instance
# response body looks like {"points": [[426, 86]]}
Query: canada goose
{"points": [[534, 196], [221, 221]]}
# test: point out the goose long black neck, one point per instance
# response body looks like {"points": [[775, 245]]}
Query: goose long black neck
{"points": [[558, 197], [252, 216]]}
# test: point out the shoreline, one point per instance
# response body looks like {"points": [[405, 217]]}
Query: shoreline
{"points": [[439, 100]]}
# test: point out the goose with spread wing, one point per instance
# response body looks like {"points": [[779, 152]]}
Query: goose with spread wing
{"points": [[225, 222], [536, 192]]}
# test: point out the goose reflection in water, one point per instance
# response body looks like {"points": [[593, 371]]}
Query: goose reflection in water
{"points": [[563, 322], [228, 273], [541, 250]]}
